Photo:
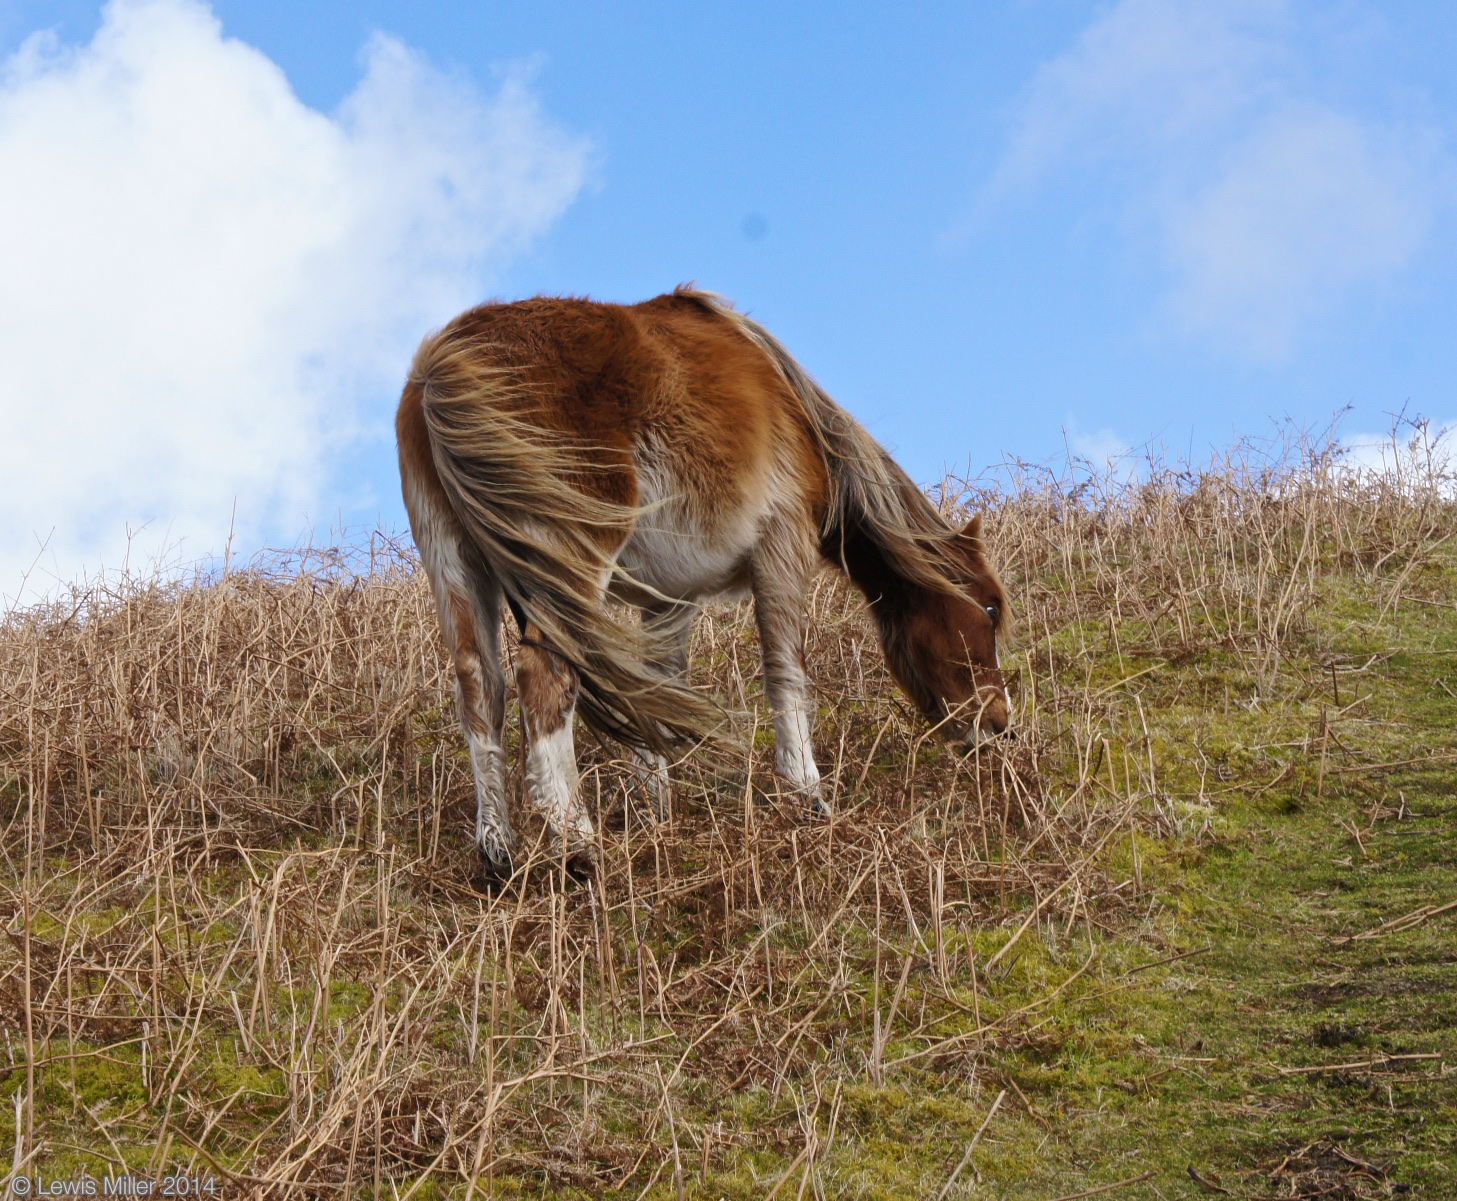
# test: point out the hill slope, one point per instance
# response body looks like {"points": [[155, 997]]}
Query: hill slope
{"points": [[1192, 918]]}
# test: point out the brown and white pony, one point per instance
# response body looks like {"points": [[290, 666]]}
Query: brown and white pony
{"points": [[555, 453]]}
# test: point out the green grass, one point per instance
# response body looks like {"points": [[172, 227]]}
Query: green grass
{"points": [[1184, 1068], [1190, 1064]]}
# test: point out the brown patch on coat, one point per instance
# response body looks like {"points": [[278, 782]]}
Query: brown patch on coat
{"points": [[546, 684]]}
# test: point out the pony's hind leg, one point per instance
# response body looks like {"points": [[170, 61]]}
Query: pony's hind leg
{"points": [[469, 605], [481, 699], [671, 626], [548, 687], [780, 576]]}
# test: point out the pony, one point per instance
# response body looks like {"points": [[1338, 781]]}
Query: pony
{"points": [[558, 454]]}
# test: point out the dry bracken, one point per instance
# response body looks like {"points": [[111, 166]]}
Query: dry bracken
{"points": [[242, 935]]}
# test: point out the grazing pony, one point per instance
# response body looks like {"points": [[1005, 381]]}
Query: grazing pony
{"points": [[555, 453]]}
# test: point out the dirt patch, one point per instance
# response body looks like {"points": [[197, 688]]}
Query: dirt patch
{"points": [[1325, 1171]]}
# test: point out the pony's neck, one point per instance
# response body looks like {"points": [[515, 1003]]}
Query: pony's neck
{"points": [[871, 570], [893, 601]]}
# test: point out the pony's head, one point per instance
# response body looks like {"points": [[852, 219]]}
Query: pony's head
{"points": [[942, 646]]}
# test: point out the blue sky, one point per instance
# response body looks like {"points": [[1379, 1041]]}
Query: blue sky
{"points": [[986, 228]]}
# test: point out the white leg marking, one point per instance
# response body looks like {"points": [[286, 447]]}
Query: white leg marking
{"points": [[781, 571], [794, 757], [551, 777], [488, 766], [464, 600], [651, 772]]}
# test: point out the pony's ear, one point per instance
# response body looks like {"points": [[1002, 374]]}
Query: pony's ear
{"points": [[970, 535]]}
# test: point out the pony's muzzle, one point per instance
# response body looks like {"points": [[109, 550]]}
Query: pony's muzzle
{"points": [[984, 735], [991, 723]]}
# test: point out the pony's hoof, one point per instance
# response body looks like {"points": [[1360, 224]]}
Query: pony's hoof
{"points": [[495, 867], [819, 809], [660, 803], [582, 864]]}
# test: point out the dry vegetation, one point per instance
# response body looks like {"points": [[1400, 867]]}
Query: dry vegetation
{"points": [[242, 935]]}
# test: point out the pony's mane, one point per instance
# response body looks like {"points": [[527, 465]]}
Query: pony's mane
{"points": [[871, 496]]}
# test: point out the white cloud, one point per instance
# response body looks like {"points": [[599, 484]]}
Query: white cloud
{"points": [[203, 276], [1414, 455], [1266, 206], [1102, 449], [1147, 76], [1314, 204]]}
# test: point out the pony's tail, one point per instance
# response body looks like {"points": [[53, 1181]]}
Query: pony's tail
{"points": [[523, 496], [872, 500]]}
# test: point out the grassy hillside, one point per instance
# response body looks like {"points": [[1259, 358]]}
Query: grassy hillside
{"points": [[1186, 936]]}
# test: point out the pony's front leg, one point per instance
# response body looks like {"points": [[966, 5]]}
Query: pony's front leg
{"points": [[779, 609], [548, 686], [670, 626], [650, 770]]}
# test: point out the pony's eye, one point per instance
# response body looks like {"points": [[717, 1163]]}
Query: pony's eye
{"points": [[993, 612]]}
